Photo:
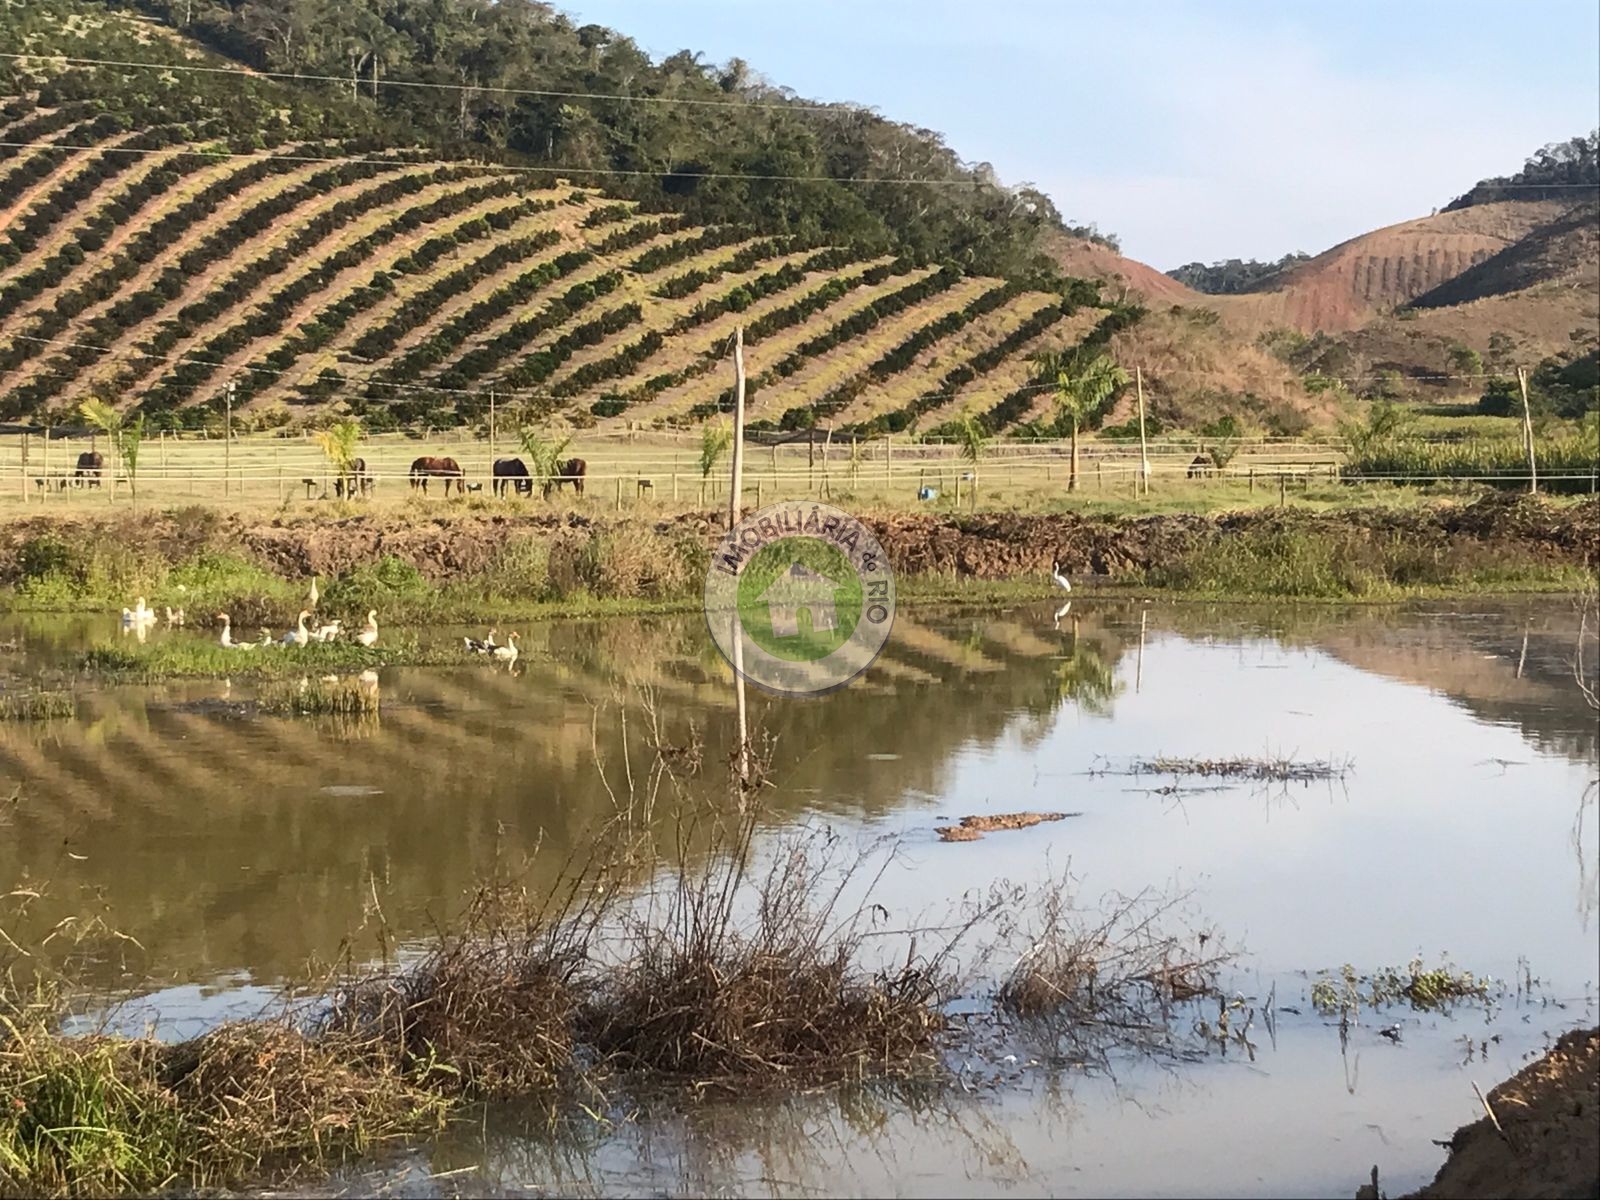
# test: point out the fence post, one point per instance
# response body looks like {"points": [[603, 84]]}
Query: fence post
{"points": [[674, 487], [1283, 488], [1252, 481], [619, 491]]}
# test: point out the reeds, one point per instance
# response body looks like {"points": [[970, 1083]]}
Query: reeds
{"points": [[37, 706]]}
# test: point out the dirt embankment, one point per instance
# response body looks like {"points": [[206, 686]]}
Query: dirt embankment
{"points": [[1547, 1143], [451, 545]]}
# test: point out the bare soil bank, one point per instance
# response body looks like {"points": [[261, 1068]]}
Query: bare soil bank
{"points": [[1548, 1143], [454, 542]]}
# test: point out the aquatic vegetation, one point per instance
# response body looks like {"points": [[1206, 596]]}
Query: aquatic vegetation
{"points": [[1262, 770], [37, 706], [338, 696], [1346, 992], [195, 657]]}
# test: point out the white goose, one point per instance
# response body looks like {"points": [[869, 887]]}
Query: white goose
{"points": [[369, 635], [299, 635], [313, 594], [174, 618], [1061, 581], [328, 632], [227, 635], [508, 652], [139, 614]]}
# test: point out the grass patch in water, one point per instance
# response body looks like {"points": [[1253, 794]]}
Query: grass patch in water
{"points": [[191, 657], [38, 706], [318, 697]]}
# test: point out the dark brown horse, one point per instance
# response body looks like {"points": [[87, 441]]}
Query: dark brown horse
{"points": [[511, 472], [357, 483], [448, 469], [572, 471], [91, 463]]}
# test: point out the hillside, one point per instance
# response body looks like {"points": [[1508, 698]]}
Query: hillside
{"points": [[409, 289]]}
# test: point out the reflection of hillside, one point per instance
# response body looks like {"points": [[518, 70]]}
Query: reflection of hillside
{"points": [[1475, 658], [218, 842]]}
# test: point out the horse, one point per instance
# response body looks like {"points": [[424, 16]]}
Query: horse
{"points": [[511, 472], [447, 468], [91, 463], [571, 471], [357, 483], [1201, 467]]}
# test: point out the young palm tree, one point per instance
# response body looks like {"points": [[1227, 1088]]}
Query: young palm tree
{"points": [[972, 437], [1084, 384], [544, 452], [339, 442], [124, 435]]}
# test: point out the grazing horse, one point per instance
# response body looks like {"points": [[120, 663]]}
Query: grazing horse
{"points": [[91, 463], [1201, 467], [511, 472], [447, 468], [357, 483], [571, 471]]}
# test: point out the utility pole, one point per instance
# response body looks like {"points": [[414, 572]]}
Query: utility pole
{"points": [[227, 437], [1144, 453], [735, 487], [733, 519], [1527, 431], [491, 425]]}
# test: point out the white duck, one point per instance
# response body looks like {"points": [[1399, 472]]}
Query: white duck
{"points": [[508, 652], [1060, 580], [174, 618], [227, 635], [369, 635], [328, 632], [299, 635], [486, 646]]}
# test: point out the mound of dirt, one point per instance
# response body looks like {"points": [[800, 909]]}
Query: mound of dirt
{"points": [[1547, 1143], [448, 546]]}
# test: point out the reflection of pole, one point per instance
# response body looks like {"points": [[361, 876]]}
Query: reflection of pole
{"points": [[1522, 659], [1138, 669], [733, 519]]}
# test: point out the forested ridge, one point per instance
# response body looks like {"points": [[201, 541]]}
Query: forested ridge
{"points": [[521, 82], [1566, 171], [1229, 277]]}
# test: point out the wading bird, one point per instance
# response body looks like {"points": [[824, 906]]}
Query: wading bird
{"points": [[1061, 581]]}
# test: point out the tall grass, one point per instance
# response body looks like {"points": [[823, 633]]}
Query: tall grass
{"points": [[1565, 464], [37, 706]]}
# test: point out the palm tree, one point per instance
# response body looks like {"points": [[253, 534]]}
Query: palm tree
{"points": [[973, 439], [1084, 383], [339, 442], [124, 435], [544, 453]]}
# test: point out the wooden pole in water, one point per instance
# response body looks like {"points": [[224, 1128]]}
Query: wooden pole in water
{"points": [[733, 519], [1144, 453], [1527, 431]]}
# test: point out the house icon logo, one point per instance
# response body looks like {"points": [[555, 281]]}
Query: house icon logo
{"points": [[798, 592], [799, 598]]}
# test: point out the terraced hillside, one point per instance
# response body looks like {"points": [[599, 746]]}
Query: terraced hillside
{"points": [[153, 271]]}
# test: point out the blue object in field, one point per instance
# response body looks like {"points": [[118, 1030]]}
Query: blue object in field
{"points": [[927, 493]]}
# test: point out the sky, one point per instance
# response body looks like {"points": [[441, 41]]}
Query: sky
{"points": [[1192, 131]]}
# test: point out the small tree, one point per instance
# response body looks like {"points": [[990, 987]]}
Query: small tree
{"points": [[1385, 421], [124, 435], [339, 442], [1084, 385], [972, 438], [715, 439], [544, 452]]}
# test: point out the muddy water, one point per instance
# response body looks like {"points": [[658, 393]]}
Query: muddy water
{"points": [[237, 850]]}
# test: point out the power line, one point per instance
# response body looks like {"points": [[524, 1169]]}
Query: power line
{"points": [[41, 147], [843, 109]]}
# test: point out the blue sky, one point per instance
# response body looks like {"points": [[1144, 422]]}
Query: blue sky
{"points": [[1234, 128]]}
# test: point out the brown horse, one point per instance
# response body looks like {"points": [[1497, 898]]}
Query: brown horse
{"points": [[358, 483], [571, 471], [91, 463], [449, 469]]}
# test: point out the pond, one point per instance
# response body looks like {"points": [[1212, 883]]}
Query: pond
{"points": [[237, 849]]}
